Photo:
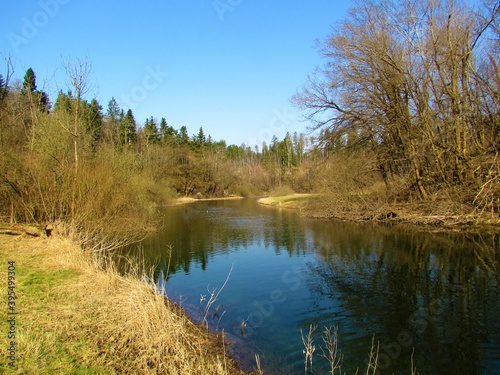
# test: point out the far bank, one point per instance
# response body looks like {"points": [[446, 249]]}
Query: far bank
{"points": [[430, 215]]}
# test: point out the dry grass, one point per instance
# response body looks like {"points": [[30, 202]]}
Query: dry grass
{"points": [[76, 317], [288, 201]]}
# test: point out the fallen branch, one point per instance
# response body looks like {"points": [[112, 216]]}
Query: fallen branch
{"points": [[18, 230], [11, 232]]}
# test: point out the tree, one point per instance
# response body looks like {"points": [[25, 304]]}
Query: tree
{"points": [[94, 119], [3, 88], [183, 137], [78, 73], [113, 111], [163, 128], [63, 102], [127, 132], [167, 133], [112, 119], [29, 83], [151, 132], [38, 100], [199, 139]]}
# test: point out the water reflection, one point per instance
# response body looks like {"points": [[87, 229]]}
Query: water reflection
{"points": [[436, 293], [433, 296]]}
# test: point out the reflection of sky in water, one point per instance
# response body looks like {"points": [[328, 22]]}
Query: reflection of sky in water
{"points": [[290, 272]]}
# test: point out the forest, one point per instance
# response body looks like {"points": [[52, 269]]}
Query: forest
{"points": [[405, 110]]}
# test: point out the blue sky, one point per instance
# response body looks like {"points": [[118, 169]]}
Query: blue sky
{"points": [[229, 66]]}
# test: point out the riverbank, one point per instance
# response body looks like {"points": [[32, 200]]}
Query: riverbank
{"points": [[296, 201], [434, 216], [74, 316], [184, 200]]}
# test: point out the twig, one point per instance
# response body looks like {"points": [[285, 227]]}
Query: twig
{"points": [[309, 348], [331, 342], [214, 296]]}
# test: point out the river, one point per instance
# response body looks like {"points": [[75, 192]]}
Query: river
{"points": [[427, 299]]}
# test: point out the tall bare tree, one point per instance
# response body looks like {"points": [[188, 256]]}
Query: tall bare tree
{"points": [[78, 72]]}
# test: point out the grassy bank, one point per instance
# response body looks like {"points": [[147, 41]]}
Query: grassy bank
{"points": [[287, 201], [74, 317], [183, 200]]}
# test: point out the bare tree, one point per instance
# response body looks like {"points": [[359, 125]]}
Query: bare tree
{"points": [[9, 68], [78, 72]]}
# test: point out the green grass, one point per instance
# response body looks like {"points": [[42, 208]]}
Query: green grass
{"points": [[46, 344]]}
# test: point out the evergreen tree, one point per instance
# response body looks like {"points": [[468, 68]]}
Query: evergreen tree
{"points": [[199, 139], [63, 102], [3, 88], [37, 99], [94, 121], [151, 131], [43, 101], [167, 133], [183, 137], [113, 111], [163, 128], [127, 130], [29, 83], [110, 127]]}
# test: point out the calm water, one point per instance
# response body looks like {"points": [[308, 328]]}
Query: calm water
{"points": [[433, 296]]}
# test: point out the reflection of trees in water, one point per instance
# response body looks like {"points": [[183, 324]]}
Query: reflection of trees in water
{"points": [[198, 231], [442, 289]]}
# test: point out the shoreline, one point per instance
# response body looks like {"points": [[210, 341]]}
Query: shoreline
{"points": [[77, 314], [185, 200], [423, 215], [294, 201]]}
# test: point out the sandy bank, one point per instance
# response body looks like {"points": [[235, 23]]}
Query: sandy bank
{"points": [[184, 200]]}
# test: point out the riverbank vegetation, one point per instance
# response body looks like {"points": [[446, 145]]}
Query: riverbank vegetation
{"points": [[407, 105], [77, 315]]}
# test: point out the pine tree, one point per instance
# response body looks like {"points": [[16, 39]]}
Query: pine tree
{"points": [[63, 102], [3, 88], [29, 83], [94, 121], [37, 99], [199, 139], [127, 131], [113, 111], [167, 133], [112, 121], [151, 131], [163, 128], [183, 137]]}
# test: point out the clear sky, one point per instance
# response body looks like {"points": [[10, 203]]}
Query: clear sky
{"points": [[229, 66]]}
